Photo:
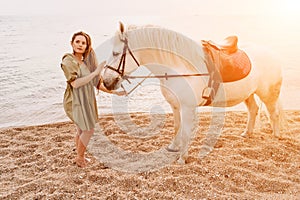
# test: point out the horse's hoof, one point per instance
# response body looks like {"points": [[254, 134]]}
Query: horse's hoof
{"points": [[245, 134], [172, 150], [181, 161], [276, 134], [204, 151]]}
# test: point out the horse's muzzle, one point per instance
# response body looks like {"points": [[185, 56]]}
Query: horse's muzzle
{"points": [[114, 84]]}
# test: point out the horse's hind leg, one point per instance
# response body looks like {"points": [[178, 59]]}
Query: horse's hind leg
{"points": [[274, 111], [252, 113], [271, 100]]}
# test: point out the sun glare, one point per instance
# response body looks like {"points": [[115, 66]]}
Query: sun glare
{"points": [[288, 8]]}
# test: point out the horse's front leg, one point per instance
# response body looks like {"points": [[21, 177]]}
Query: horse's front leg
{"points": [[175, 145], [187, 116]]}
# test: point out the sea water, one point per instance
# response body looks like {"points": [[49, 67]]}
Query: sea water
{"points": [[32, 83]]}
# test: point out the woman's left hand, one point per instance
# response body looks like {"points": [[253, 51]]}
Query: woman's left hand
{"points": [[119, 93]]}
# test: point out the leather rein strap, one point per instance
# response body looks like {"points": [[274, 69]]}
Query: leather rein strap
{"points": [[121, 69], [165, 76]]}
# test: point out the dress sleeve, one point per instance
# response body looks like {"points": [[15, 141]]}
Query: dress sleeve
{"points": [[70, 68], [97, 81]]}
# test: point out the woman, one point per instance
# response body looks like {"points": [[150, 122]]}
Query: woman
{"points": [[82, 72]]}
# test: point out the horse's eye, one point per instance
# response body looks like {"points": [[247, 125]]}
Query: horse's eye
{"points": [[115, 53]]}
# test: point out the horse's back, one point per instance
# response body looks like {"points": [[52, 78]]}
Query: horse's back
{"points": [[263, 59], [267, 64], [264, 74]]}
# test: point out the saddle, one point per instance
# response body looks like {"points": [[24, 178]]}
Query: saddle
{"points": [[225, 63], [228, 46], [227, 59]]}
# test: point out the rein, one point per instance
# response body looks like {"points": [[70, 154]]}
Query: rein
{"points": [[165, 76], [121, 68]]}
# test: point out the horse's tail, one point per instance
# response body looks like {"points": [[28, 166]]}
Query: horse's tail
{"points": [[283, 122], [282, 117], [258, 120]]}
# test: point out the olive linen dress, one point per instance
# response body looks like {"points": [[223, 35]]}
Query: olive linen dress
{"points": [[79, 103]]}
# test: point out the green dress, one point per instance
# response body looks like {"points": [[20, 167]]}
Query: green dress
{"points": [[79, 103]]}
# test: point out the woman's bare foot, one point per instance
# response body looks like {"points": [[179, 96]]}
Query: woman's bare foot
{"points": [[80, 162]]}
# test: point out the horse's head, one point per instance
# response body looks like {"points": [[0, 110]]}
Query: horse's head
{"points": [[115, 71]]}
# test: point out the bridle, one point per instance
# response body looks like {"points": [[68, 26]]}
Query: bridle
{"points": [[121, 67]]}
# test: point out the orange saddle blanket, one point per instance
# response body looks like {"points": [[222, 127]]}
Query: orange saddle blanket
{"points": [[232, 63]]}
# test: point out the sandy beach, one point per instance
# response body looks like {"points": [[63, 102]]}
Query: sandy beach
{"points": [[128, 151], [36, 162]]}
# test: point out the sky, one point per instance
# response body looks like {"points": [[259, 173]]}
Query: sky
{"points": [[149, 7]]}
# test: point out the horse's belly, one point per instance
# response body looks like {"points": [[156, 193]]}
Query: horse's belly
{"points": [[233, 93]]}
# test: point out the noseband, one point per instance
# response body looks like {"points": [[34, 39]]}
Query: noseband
{"points": [[121, 67]]}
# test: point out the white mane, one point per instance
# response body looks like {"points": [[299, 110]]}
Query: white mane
{"points": [[154, 37]]}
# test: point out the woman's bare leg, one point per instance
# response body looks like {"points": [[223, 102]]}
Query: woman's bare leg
{"points": [[81, 148], [77, 136]]}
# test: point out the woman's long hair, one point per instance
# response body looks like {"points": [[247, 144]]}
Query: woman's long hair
{"points": [[89, 56]]}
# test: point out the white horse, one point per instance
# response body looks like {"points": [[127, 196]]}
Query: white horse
{"points": [[181, 66]]}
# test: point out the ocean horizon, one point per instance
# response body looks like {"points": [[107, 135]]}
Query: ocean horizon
{"points": [[32, 83]]}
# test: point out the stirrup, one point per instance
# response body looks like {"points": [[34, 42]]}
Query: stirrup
{"points": [[207, 92]]}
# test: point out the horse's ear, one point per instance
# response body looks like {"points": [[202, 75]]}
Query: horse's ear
{"points": [[122, 27]]}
